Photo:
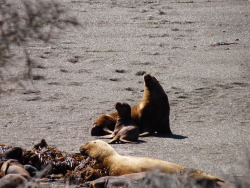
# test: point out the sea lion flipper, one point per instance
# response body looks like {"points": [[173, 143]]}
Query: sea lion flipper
{"points": [[125, 141], [3, 170], [113, 141], [108, 136], [145, 134], [107, 130]]}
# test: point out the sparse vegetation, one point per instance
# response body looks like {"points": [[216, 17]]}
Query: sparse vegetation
{"points": [[25, 21]]}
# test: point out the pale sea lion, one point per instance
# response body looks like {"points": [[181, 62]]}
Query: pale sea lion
{"points": [[126, 130], [119, 165], [151, 114]]}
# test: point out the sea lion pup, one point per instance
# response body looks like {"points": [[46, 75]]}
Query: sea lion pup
{"points": [[119, 165], [151, 114], [126, 130]]}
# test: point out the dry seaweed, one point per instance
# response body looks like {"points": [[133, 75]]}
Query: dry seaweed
{"points": [[55, 164]]}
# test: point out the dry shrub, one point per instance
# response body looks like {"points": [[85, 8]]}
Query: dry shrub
{"points": [[27, 20]]}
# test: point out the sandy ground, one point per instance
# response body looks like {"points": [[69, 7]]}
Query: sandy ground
{"points": [[89, 68]]}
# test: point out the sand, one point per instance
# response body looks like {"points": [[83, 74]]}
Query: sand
{"points": [[199, 50]]}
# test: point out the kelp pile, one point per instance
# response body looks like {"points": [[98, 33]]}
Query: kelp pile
{"points": [[52, 164]]}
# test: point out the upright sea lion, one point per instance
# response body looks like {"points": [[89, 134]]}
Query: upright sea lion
{"points": [[119, 165], [125, 128], [151, 114]]}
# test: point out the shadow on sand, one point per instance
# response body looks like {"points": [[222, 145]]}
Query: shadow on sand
{"points": [[174, 136]]}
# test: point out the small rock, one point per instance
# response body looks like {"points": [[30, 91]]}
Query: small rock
{"points": [[150, 17], [120, 71], [63, 70], [38, 77], [114, 79], [75, 59], [140, 73], [175, 29], [161, 12]]}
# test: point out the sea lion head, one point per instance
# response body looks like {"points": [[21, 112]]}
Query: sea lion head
{"points": [[150, 81], [102, 125], [97, 130], [123, 109], [14, 153], [97, 149]]}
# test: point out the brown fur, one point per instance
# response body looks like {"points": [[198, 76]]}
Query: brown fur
{"points": [[151, 114], [12, 166], [120, 165], [13, 181], [126, 130]]}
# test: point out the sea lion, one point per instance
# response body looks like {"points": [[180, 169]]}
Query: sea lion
{"points": [[137, 180], [113, 181], [151, 114], [126, 130], [119, 165], [13, 181], [12, 166]]}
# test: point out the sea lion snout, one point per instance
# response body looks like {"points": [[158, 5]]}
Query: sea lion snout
{"points": [[147, 77], [96, 130], [118, 105], [149, 80], [83, 150]]}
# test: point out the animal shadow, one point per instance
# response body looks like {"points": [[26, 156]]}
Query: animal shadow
{"points": [[174, 136], [136, 142]]}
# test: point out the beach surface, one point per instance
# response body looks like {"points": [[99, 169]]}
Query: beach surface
{"points": [[199, 50]]}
